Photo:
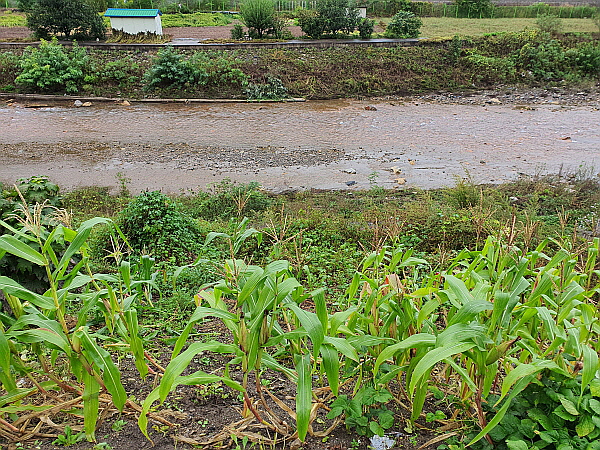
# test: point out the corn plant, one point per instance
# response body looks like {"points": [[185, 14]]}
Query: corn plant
{"points": [[265, 318], [40, 324], [502, 309]]}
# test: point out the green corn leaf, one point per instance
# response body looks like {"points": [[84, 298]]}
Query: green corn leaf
{"points": [[318, 297], [135, 342], [200, 313], [519, 386], [110, 374], [182, 361], [436, 355], [83, 232], [343, 346], [196, 379], [303, 396], [331, 363], [6, 378], [12, 245], [57, 340], [90, 405], [311, 324], [459, 289], [522, 371], [414, 341], [590, 366], [13, 288], [469, 310]]}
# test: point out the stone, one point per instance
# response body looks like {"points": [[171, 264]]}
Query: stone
{"points": [[78, 103]]}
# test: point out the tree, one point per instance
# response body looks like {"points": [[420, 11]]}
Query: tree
{"points": [[67, 17], [259, 17], [330, 17]]}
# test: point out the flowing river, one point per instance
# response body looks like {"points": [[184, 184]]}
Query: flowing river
{"points": [[292, 146]]}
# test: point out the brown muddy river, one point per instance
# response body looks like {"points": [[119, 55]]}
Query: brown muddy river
{"points": [[316, 144]]}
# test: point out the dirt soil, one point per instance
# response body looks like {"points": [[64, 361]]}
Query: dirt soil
{"points": [[422, 142]]}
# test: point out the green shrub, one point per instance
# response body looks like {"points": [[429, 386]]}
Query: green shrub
{"points": [[404, 25], [552, 413], [237, 32], [586, 58], [170, 69], [310, 23], [228, 200], [549, 23], [259, 17], [52, 68], [543, 61], [331, 17], [217, 69], [366, 28], [273, 89], [154, 224], [173, 70], [68, 17], [490, 70]]}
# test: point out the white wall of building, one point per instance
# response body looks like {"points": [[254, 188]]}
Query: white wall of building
{"points": [[135, 25]]}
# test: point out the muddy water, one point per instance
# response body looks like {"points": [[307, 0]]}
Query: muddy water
{"points": [[324, 145]]}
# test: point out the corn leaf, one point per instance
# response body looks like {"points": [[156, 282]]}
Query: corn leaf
{"points": [[303, 396], [414, 341], [110, 374], [90, 405], [12, 245], [182, 361], [331, 363], [13, 288], [436, 355]]}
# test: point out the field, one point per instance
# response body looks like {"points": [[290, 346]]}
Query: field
{"points": [[365, 312]]}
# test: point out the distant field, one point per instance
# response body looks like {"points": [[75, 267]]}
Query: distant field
{"points": [[447, 26]]}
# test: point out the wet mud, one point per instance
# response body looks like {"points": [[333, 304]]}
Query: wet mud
{"points": [[404, 143]]}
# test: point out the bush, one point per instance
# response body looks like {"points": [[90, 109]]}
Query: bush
{"points": [[586, 58], [549, 23], [404, 25], [52, 68], [330, 17], [237, 32], [543, 61], [67, 17], [490, 70], [310, 23], [154, 224], [170, 69], [273, 89], [366, 28], [259, 17]]}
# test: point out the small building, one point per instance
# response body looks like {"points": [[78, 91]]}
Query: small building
{"points": [[134, 21]]}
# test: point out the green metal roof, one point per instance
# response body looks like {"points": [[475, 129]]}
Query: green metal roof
{"points": [[117, 12]]}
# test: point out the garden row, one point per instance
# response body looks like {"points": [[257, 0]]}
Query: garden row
{"points": [[483, 300]]}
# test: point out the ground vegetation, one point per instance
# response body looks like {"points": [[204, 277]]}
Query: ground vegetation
{"points": [[525, 58], [470, 310]]}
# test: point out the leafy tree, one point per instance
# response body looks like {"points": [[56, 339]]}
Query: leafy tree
{"points": [[330, 17], [68, 17], [259, 17], [404, 25]]}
